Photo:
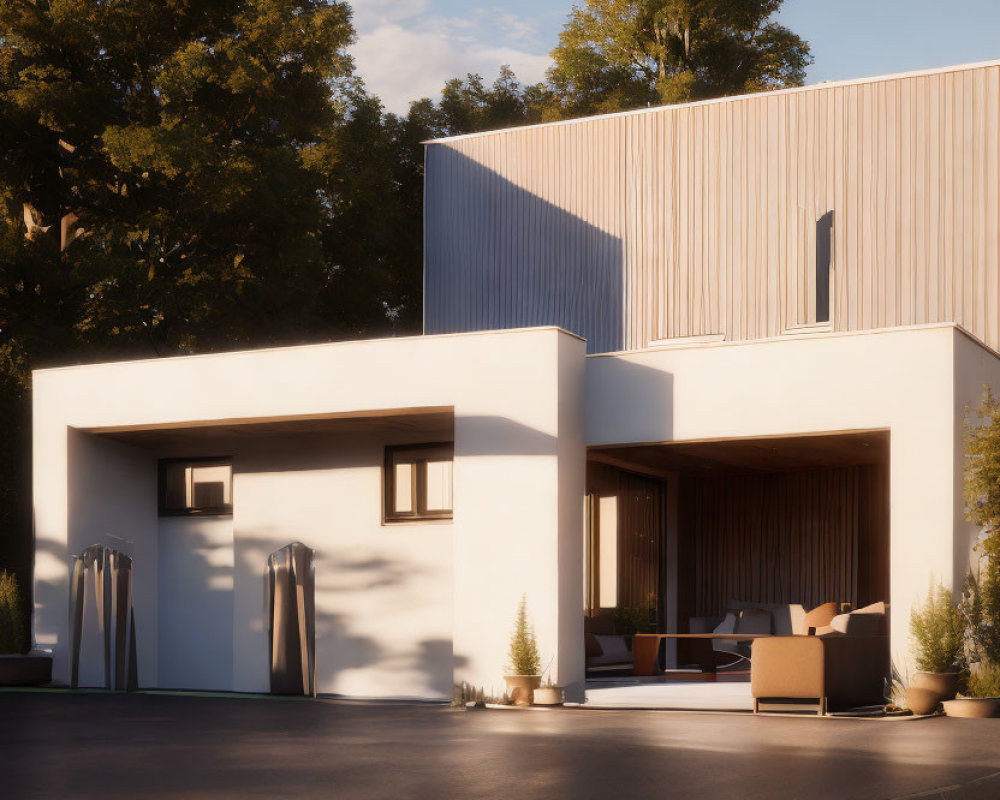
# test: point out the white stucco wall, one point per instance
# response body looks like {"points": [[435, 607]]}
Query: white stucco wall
{"points": [[109, 498], [518, 476], [194, 603], [405, 610], [383, 592], [901, 380]]}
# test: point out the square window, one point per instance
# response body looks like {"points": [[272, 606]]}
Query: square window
{"points": [[418, 482], [196, 486]]}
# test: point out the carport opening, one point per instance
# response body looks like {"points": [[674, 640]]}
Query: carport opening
{"points": [[204, 505], [680, 534]]}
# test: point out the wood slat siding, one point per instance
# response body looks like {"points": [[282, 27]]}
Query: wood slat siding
{"points": [[701, 219], [802, 537], [641, 533]]}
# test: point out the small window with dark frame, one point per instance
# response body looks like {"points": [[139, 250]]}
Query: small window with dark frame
{"points": [[418, 482], [190, 486]]}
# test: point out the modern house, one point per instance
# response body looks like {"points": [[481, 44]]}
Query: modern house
{"points": [[672, 358]]}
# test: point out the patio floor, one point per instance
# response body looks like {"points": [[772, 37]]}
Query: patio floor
{"points": [[684, 695], [90, 746]]}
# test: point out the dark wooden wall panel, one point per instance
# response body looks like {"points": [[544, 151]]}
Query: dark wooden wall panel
{"points": [[805, 537]]}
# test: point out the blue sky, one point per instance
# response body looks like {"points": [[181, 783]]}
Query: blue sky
{"points": [[407, 48]]}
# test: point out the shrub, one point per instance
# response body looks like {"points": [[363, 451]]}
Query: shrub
{"points": [[938, 629], [523, 656], [13, 636], [985, 681], [981, 608], [629, 620], [981, 598]]}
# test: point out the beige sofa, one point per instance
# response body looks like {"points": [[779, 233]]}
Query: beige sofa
{"points": [[844, 665]]}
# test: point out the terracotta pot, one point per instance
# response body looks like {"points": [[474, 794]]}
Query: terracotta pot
{"points": [[972, 707], [921, 701], [944, 683], [550, 696], [522, 688], [644, 652]]}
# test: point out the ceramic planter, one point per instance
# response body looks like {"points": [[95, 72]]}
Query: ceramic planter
{"points": [[921, 701], [972, 707], [522, 688], [644, 652], [945, 684], [32, 669], [550, 696]]}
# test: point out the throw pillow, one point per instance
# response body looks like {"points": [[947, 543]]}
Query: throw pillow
{"points": [[819, 617], [592, 647]]}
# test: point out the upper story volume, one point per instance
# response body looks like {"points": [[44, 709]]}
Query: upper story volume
{"points": [[842, 206]]}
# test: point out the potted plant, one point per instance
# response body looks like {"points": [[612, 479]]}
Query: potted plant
{"points": [[18, 666], [524, 663], [631, 621], [982, 694], [938, 631]]}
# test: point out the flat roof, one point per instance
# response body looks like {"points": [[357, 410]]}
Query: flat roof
{"points": [[311, 346], [813, 87]]}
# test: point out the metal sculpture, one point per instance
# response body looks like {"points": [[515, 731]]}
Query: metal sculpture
{"points": [[289, 592], [111, 572]]}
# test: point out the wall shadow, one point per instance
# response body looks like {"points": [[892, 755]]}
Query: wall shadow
{"points": [[627, 402], [497, 256]]}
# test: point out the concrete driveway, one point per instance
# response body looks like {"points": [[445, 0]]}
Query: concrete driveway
{"points": [[60, 745]]}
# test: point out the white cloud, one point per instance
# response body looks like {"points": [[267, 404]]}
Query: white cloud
{"points": [[405, 51]]}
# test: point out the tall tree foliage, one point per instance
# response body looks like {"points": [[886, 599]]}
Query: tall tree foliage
{"points": [[619, 54], [981, 595], [181, 176], [616, 55], [175, 136]]}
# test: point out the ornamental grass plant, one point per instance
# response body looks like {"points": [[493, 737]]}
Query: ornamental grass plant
{"points": [[984, 681], [523, 656], [13, 636], [938, 630]]}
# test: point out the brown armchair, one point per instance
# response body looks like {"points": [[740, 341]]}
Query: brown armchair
{"points": [[836, 671]]}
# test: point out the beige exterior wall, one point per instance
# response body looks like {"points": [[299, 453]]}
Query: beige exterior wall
{"points": [[914, 383], [401, 610], [709, 214]]}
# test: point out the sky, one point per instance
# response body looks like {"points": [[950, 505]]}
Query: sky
{"points": [[407, 49]]}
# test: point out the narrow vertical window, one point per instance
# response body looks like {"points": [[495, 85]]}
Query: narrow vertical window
{"points": [[824, 257]]}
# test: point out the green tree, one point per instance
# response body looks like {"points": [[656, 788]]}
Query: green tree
{"points": [[620, 54], [468, 105], [173, 136], [981, 595], [174, 178]]}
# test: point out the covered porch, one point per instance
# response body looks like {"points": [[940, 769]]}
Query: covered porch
{"points": [[683, 536]]}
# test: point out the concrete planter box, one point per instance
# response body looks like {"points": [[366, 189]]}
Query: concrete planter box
{"points": [[550, 696], [32, 669], [972, 707]]}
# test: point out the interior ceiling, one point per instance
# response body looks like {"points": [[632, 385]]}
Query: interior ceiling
{"points": [[436, 419], [750, 455]]}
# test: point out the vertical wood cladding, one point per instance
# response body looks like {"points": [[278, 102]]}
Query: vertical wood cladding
{"points": [[797, 537], [702, 219]]}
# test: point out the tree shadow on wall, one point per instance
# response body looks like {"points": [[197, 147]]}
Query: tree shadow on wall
{"points": [[498, 256]]}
